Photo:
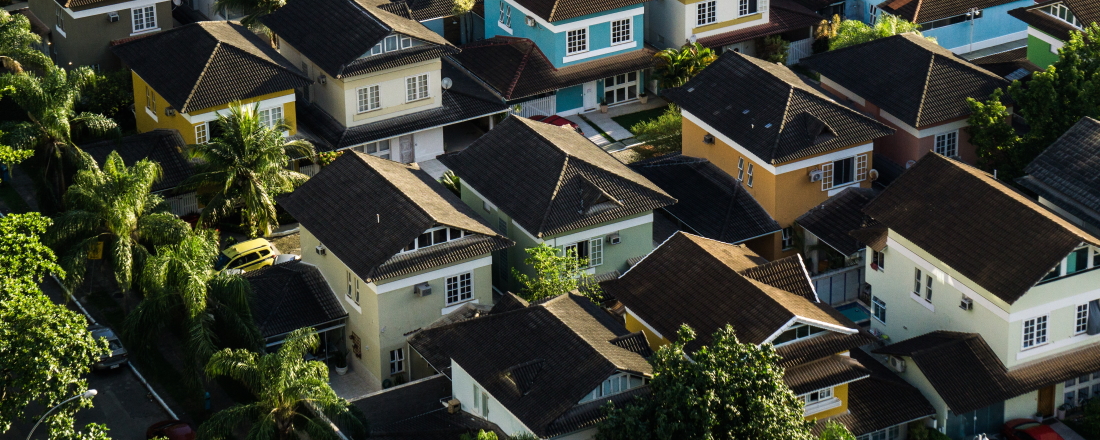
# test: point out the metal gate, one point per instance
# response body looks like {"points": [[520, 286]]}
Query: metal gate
{"points": [[546, 105]]}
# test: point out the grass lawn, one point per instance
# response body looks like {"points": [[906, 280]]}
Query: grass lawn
{"points": [[628, 121]]}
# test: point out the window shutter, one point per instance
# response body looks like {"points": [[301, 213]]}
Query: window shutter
{"points": [[861, 167], [826, 176], [1094, 317], [752, 6]]}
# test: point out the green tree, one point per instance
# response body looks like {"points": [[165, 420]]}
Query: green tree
{"points": [[835, 431], [113, 206], [995, 141], [252, 11], [451, 181], [660, 136], [775, 49], [244, 169], [852, 32], [555, 274], [108, 93], [729, 390], [288, 390], [17, 42], [481, 435], [676, 66], [183, 291]]}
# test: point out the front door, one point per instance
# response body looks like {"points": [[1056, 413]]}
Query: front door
{"points": [[408, 152], [590, 95], [1046, 401]]}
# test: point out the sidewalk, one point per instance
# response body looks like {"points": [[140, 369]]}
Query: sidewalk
{"points": [[603, 122]]}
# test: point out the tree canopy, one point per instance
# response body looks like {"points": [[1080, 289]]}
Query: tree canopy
{"points": [[676, 66], [17, 42], [555, 274], [852, 32]]}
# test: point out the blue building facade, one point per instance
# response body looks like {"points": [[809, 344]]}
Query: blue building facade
{"points": [[955, 25]]}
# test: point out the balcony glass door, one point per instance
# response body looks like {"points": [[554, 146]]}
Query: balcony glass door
{"points": [[620, 88]]}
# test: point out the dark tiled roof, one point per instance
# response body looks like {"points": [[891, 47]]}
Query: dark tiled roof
{"points": [[592, 413], [923, 11], [1068, 171], [1007, 63], [551, 180], [788, 274], [516, 68], [880, 401], [334, 34], [209, 63], [539, 376], [925, 84], [827, 371], [421, 10], [710, 202], [509, 302], [162, 146], [415, 410], [558, 10], [77, 5], [365, 210], [872, 236], [800, 352], [465, 100], [1086, 11], [702, 283], [833, 219], [989, 233], [784, 15], [289, 296], [634, 342], [769, 110]]}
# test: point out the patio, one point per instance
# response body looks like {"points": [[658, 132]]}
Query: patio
{"points": [[352, 385], [596, 122]]}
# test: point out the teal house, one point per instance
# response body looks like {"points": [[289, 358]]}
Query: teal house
{"points": [[1049, 24], [541, 183]]}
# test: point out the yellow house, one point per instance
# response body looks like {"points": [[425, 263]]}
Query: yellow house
{"points": [[185, 77], [707, 284], [791, 146]]}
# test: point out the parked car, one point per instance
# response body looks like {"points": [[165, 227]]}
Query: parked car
{"points": [[118, 355], [286, 258], [1028, 429], [171, 430], [559, 121], [248, 255]]}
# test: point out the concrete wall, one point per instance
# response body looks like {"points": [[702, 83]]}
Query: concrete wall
{"points": [[87, 34], [995, 27], [672, 23], [551, 37]]}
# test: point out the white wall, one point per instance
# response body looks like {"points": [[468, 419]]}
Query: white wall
{"points": [[462, 388]]}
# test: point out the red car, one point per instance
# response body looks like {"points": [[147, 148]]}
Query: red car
{"points": [[171, 430], [559, 121], [1028, 429]]}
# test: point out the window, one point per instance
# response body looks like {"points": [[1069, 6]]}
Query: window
{"points": [[947, 144], [797, 331], [916, 281], [201, 135], [1078, 390], [620, 31], [270, 117], [397, 361], [878, 309], [353, 287], [145, 18], [576, 41], [1063, 13], [834, 9], [377, 149], [843, 172], [749, 182], [1054, 273], [788, 237], [150, 100], [1078, 260], [878, 260], [861, 168], [390, 44], [434, 236], [746, 7], [369, 98], [620, 88], [949, 21], [615, 385], [459, 288], [741, 169], [416, 87], [484, 404], [1035, 332], [505, 15], [705, 12], [891, 433], [818, 396], [1081, 324], [591, 250], [60, 16], [928, 288]]}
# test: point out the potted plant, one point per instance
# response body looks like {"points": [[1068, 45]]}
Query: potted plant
{"points": [[603, 105], [341, 363], [1038, 416], [1062, 411], [643, 97]]}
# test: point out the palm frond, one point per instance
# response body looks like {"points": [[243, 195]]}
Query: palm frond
{"points": [[221, 424]]}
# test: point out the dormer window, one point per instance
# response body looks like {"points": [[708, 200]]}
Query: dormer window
{"points": [[390, 44], [1081, 259], [796, 332], [434, 236], [614, 385], [1062, 12]]}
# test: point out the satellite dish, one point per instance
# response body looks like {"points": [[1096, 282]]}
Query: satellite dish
{"points": [[693, 38], [177, 2], [910, 164], [446, 83]]}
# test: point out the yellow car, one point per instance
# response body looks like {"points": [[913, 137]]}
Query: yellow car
{"points": [[247, 255]]}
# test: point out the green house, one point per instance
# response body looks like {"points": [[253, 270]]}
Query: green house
{"points": [[1049, 24]]}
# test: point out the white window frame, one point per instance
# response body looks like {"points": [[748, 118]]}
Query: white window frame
{"points": [[420, 88], [918, 280], [202, 133], [60, 20], [787, 235], [616, 384], [595, 247], [1039, 332], [371, 96], [415, 245], [142, 14], [624, 33], [1054, 9], [397, 361], [505, 18], [876, 305], [928, 288], [743, 8], [749, 181], [822, 395], [861, 167], [353, 287], [740, 169], [872, 13], [879, 259], [267, 116], [462, 286], [1081, 319], [950, 143], [706, 13], [569, 40]]}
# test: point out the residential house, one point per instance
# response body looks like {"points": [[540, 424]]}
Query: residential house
{"points": [[413, 410], [789, 144], [82, 30], [294, 295], [924, 99], [438, 15], [990, 298], [184, 78], [964, 27], [707, 285], [835, 257], [1049, 24], [164, 146], [554, 382], [1065, 175], [544, 184], [399, 249], [384, 89]]}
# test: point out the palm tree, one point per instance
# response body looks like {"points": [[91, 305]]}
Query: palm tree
{"points": [[289, 390], [16, 44], [253, 11], [676, 66], [244, 169], [112, 207], [182, 289], [48, 101]]}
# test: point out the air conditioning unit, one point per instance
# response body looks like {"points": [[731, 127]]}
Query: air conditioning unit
{"points": [[966, 304], [708, 139], [169, 111], [897, 363], [320, 249], [815, 175], [422, 289], [453, 406], [112, 17], [614, 238], [530, 21]]}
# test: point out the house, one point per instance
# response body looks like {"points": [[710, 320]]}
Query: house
{"points": [[707, 284], [385, 89], [554, 382], [964, 27], [1049, 24], [989, 297], [294, 295], [1065, 175], [544, 184], [82, 30], [738, 26], [167, 148], [438, 15], [834, 256], [924, 99], [184, 78], [413, 410], [791, 145], [399, 249]]}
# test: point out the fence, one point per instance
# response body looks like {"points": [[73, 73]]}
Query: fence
{"points": [[799, 50], [839, 286], [309, 170], [183, 204], [547, 105]]}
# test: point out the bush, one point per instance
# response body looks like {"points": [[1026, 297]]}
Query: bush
{"points": [[662, 135], [917, 431], [109, 94]]}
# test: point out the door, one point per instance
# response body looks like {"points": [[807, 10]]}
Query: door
{"points": [[1046, 401], [620, 88], [408, 153], [590, 95]]}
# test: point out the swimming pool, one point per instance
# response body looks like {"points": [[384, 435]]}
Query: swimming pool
{"points": [[855, 311]]}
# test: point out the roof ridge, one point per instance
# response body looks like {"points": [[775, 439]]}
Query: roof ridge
{"points": [[202, 74], [590, 344], [782, 123], [557, 188], [519, 70], [924, 90]]}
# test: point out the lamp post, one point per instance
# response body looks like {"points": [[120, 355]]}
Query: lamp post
{"points": [[86, 395]]}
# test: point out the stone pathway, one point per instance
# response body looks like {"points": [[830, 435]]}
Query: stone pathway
{"points": [[1065, 432]]}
